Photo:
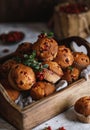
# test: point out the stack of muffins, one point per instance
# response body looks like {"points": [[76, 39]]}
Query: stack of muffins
{"points": [[51, 62]]}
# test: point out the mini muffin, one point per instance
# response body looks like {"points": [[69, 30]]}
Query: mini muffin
{"points": [[6, 66], [41, 89], [53, 73], [71, 74], [21, 77], [46, 48], [81, 60], [13, 94], [23, 48], [82, 109], [64, 57]]}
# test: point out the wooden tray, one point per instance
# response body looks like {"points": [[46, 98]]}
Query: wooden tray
{"points": [[36, 113]]}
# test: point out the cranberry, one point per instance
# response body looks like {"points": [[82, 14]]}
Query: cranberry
{"points": [[49, 128], [74, 8], [12, 37], [42, 35], [40, 75], [61, 128]]}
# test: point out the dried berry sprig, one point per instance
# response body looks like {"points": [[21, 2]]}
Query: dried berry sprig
{"points": [[70, 68], [44, 34], [31, 61], [11, 37], [50, 34]]}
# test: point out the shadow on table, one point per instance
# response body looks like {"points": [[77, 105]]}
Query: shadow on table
{"points": [[70, 115]]}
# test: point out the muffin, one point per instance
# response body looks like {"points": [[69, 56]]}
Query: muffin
{"points": [[41, 89], [81, 60], [64, 57], [82, 109], [71, 74], [23, 48], [6, 66], [53, 73], [46, 48], [13, 94], [21, 77]]}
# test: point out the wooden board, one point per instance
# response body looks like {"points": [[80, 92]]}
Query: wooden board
{"points": [[36, 113]]}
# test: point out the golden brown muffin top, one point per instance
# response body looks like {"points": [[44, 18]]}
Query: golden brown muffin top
{"points": [[71, 74], [64, 56], [6, 66], [81, 59], [41, 89], [46, 48], [82, 105], [21, 77], [23, 48]]}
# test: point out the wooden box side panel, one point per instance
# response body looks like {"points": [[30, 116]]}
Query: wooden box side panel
{"points": [[9, 111], [55, 104]]}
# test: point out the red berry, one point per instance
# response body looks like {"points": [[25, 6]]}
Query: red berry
{"points": [[73, 8], [62, 128], [40, 75], [49, 128], [42, 35], [12, 37]]}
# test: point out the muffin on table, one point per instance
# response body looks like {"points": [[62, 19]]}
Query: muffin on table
{"points": [[82, 109]]}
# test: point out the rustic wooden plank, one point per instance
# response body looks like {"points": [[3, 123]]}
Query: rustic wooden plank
{"points": [[9, 110]]}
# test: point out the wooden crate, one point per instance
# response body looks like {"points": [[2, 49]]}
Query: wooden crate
{"points": [[36, 113]]}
